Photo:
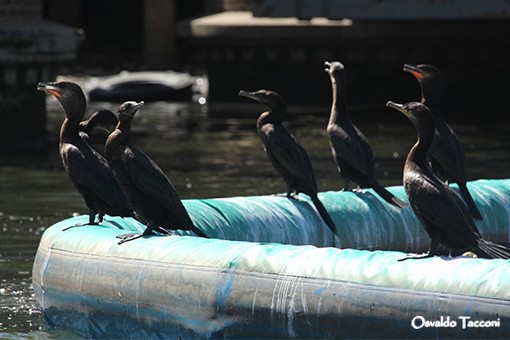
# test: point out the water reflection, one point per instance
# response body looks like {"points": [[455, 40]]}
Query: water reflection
{"points": [[205, 154]]}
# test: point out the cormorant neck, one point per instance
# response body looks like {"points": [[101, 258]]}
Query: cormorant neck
{"points": [[430, 94], [74, 105], [338, 108], [418, 153], [69, 128], [431, 102], [120, 136], [268, 117], [124, 126], [278, 111]]}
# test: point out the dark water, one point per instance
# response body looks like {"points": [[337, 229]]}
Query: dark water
{"points": [[207, 152]]}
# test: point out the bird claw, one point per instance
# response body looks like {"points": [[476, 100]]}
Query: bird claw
{"points": [[416, 257], [80, 225], [129, 237], [133, 236], [291, 196]]}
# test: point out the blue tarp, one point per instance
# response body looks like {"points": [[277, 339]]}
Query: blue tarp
{"points": [[244, 283]]}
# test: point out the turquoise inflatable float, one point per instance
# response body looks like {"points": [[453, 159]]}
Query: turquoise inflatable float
{"points": [[270, 271]]}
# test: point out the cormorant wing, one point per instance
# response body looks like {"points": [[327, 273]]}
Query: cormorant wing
{"points": [[90, 169], [440, 213], [289, 153], [349, 149], [451, 156], [463, 208], [148, 177]]}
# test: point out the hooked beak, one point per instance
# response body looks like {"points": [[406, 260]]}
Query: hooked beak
{"points": [[247, 94], [137, 106], [134, 109], [414, 70], [398, 107], [50, 88]]}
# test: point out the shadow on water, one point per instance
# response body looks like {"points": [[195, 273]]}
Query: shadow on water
{"points": [[214, 153]]}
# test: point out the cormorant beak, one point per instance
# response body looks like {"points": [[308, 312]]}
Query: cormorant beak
{"points": [[415, 71], [252, 95], [137, 106], [51, 88], [134, 109], [398, 107]]}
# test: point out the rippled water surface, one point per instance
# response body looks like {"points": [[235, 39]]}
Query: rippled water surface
{"points": [[207, 152]]}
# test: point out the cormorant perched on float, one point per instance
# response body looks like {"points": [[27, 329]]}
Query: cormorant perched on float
{"points": [[446, 153], [149, 190], [87, 168], [287, 155], [350, 148], [441, 212]]}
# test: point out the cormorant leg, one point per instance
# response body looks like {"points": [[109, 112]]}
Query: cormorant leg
{"points": [[100, 217], [290, 193], [133, 236], [346, 183], [92, 217], [431, 253]]}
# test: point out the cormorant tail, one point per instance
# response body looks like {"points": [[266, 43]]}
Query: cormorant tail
{"points": [[493, 250], [471, 205], [388, 196], [324, 213]]}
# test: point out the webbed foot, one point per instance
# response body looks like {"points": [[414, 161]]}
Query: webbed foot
{"points": [[416, 257], [80, 225], [129, 237], [149, 231], [133, 236]]}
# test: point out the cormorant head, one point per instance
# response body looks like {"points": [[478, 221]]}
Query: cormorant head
{"points": [[333, 68], [417, 112], [127, 110], [69, 94], [271, 99], [336, 72], [430, 79]]}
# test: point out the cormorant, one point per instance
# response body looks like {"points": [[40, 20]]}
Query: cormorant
{"points": [[87, 168], [446, 152], [287, 155], [351, 150], [441, 212], [149, 190]]}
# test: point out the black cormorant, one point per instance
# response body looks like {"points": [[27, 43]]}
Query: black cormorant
{"points": [[351, 150], [149, 190], [87, 168], [441, 212], [287, 155], [446, 152]]}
